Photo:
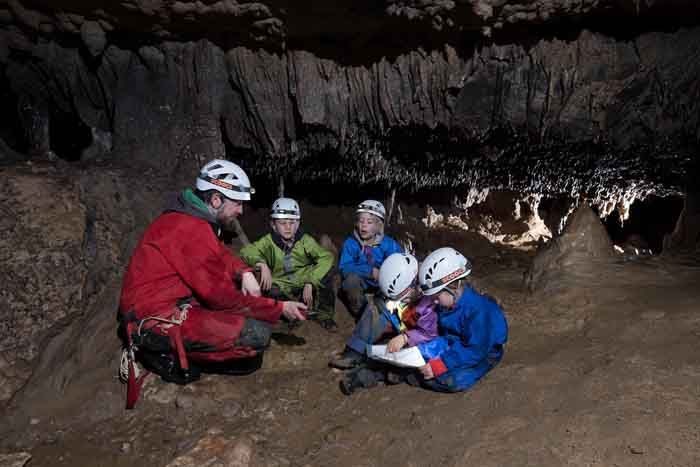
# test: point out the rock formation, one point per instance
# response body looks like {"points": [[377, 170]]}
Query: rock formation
{"points": [[577, 254], [417, 94], [67, 238]]}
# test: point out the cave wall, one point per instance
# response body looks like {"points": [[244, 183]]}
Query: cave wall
{"points": [[393, 95], [44, 274], [67, 237]]}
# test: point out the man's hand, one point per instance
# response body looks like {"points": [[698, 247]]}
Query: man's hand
{"points": [[308, 295], [375, 274], [294, 311], [427, 371], [397, 343], [249, 285], [265, 276]]}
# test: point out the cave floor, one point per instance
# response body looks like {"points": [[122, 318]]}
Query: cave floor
{"points": [[602, 371]]}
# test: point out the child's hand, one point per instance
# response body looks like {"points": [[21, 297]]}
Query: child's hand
{"points": [[265, 276], [397, 343], [427, 371], [308, 295], [375, 274]]}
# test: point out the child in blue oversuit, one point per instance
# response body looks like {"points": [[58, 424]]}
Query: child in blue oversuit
{"points": [[362, 255], [472, 328]]}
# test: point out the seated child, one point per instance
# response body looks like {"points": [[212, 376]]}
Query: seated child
{"points": [[293, 265], [362, 255], [399, 313], [472, 327]]}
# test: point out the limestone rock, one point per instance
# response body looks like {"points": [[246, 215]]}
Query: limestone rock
{"points": [[43, 253], [70, 235], [217, 451], [93, 37], [685, 238], [582, 247], [179, 97], [19, 459]]}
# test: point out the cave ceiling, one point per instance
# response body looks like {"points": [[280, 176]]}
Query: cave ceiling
{"points": [[563, 96]]}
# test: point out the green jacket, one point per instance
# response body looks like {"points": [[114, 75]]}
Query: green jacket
{"points": [[307, 262]]}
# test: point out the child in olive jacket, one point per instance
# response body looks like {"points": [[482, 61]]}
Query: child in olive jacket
{"points": [[293, 264]]}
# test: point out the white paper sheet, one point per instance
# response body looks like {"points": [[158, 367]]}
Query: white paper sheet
{"points": [[407, 358]]}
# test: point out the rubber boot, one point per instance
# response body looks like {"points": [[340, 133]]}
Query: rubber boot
{"points": [[347, 360], [360, 378]]}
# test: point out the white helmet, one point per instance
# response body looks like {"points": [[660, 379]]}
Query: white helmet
{"points": [[373, 207], [227, 178], [442, 267], [285, 208], [397, 274]]}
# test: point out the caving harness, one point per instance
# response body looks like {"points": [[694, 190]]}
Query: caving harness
{"points": [[137, 341]]}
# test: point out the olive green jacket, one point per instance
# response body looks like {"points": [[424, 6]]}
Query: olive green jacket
{"points": [[306, 262]]}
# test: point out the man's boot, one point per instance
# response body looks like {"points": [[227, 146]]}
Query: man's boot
{"points": [[347, 360]]}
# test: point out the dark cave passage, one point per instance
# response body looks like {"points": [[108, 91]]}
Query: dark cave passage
{"points": [[68, 134], [649, 221], [11, 131]]}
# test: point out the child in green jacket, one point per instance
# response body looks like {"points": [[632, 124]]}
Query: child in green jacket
{"points": [[293, 264]]}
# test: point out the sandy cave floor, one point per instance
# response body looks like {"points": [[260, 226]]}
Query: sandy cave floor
{"points": [[603, 372]]}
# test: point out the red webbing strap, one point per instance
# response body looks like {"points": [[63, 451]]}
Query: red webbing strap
{"points": [[178, 346], [133, 386]]}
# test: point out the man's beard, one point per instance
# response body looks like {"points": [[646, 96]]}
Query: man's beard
{"points": [[227, 224]]}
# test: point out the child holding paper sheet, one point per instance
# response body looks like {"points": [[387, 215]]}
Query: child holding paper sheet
{"points": [[398, 313], [395, 313], [472, 330]]}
